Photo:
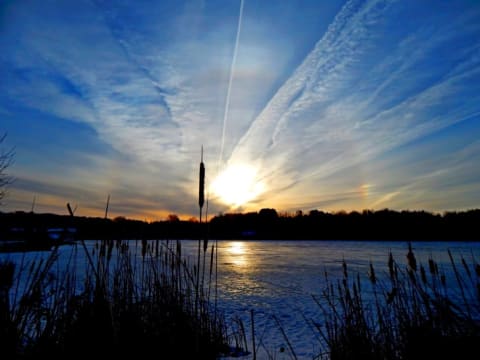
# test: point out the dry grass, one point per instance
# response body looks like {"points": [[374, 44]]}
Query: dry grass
{"points": [[415, 312], [122, 304]]}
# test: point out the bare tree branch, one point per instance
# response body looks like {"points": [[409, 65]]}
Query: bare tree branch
{"points": [[6, 160]]}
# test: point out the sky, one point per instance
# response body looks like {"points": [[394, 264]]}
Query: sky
{"points": [[298, 104]]}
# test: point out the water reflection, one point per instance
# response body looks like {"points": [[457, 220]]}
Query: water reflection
{"points": [[236, 254]]}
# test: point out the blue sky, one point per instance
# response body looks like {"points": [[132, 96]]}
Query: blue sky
{"points": [[299, 105]]}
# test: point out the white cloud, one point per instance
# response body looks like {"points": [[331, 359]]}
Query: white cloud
{"points": [[154, 90], [342, 107]]}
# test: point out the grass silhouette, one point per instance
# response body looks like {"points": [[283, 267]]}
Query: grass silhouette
{"points": [[415, 312], [125, 303]]}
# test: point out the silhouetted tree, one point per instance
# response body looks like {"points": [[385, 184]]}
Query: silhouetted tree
{"points": [[268, 213], [173, 218]]}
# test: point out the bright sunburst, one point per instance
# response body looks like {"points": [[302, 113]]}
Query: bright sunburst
{"points": [[237, 185]]}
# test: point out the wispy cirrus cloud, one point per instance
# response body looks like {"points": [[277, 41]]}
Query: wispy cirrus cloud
{"points": [[343, 107], [324, 126], [155, 103]]}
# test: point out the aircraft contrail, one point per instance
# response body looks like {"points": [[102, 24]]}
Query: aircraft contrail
{"points": [[229, 89]]}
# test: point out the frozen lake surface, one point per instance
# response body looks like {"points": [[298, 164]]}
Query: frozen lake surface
{"points": [[276, 280]]}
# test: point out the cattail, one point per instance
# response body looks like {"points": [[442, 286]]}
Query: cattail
{"points": [[201, 200], [179, 249], [201, 188], [432, 265], [106, 207], [344, 268], [391, 264], [412, 262], [70, 211], [371, 274], [443, 280], [144, 248]]}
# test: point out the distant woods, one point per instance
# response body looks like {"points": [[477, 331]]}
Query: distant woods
{"points": [[366, 225], [267, 224]]}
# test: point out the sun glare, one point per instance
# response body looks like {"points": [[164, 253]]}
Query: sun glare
{"points": [[236, 254], [236, 248], [237, 185]]}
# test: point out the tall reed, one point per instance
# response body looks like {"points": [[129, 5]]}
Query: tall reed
{"points": [[119, 302], [201, 201], [123, 302], [414, 312]]}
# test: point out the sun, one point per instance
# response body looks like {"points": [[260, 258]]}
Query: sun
{"points": [[237, 185]]}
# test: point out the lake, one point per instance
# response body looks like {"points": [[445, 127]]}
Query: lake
{"points": [[279, 278], [276, 279]]}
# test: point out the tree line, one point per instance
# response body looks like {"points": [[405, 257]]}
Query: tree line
{"points": [[266, 224]]}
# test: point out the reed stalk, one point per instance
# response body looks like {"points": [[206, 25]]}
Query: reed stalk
{"points": [[411, 314], [122, 308], [201, 201]]}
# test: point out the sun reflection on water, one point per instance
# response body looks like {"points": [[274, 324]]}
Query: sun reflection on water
{"points": [[235, 254]]}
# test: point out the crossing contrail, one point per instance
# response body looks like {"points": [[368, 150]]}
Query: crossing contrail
{"points": [[229, 89]]}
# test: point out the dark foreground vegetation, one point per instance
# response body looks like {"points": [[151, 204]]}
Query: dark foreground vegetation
{"points": [[266, 224], [118, 304], [142, 299], [419, 311]]}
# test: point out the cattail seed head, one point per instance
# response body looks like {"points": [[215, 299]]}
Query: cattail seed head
{"points": [[179, 249], [391, 264], [344, 268], [432, 265], [201, 187], [371, 274], [412, 262], [144, 248]]}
